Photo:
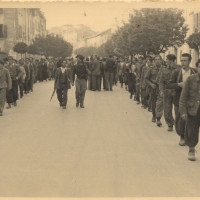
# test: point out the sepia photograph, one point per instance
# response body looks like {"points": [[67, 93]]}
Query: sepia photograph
{"points": [[99, 99]]}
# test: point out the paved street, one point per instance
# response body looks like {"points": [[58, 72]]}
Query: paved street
{"points": [[108, 149]]}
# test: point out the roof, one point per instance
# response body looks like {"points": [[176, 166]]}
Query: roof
{"points": [[98, 34]]}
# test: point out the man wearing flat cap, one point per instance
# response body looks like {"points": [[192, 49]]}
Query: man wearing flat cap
{"points": [[81, 73]]}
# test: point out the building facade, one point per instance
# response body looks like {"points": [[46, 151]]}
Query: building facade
{"points": [[20, 25]]}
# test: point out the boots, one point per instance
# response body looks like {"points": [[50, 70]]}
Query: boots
{"points": [[191, 154], [81, 103]]}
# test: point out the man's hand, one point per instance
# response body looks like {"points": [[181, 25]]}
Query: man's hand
{"points": [[184, 116], [180, 84]]}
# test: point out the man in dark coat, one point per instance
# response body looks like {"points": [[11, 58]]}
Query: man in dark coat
{"points": [[62, 84], [177, 81], [189, 107], [81, 73], [96, 74], [109, 72], [5, 84]]}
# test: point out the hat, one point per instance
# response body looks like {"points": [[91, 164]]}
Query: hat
{"points": [[80, 57]]}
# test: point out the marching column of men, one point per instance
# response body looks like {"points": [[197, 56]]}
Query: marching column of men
{"points": [[161, 86]]}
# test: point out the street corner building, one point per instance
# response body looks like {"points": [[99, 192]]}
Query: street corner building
{"points": [[19, 25]]}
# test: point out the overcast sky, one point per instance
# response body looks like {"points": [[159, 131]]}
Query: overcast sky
{"points": [[99, 16]]}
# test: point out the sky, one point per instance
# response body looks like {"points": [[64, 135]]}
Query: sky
{"points": [[99, 16]]}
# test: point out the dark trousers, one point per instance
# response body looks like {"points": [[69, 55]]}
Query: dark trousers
{"points": [[168, 105], [62, 96], [109, 80], [144, 97], [30, 85], [159, 106], [96, 82], [26, 86], [192, 129], [90, 82], [137, 92], [81, 86], [21, 88], [2, 99], [153, 99], [121, 80], [131, 83], [12, 95], [180, 124]]}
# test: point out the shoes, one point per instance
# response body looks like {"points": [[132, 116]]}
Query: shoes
{"points": [[191, 154], [64, 107], [1, 114], [170, 128], [61, 105], [159, 124], [15, 103], [131, 96], [77, 103], [138, 102], [149, 109], [182, 142], [153, 119], [82, 106], [9, 106]]}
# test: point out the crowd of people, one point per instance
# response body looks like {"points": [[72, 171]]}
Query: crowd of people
{"points": [[160, 86], [163, 87], [17, 77]]}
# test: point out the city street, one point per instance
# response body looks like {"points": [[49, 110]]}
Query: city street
{"points": [[109, 149]]}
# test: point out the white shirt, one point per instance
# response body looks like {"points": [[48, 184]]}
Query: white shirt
{"points": [[63, 70], [185, 74]]}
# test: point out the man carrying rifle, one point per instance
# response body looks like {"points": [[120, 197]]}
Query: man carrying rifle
{"points": [[62, 84]]}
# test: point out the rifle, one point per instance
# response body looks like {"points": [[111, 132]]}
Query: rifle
{"points": [[53, 94]]}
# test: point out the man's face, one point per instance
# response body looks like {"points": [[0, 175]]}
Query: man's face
{"points": [[168, 61], [64, 64], [157, 60], [185, 62], [148, 62]]}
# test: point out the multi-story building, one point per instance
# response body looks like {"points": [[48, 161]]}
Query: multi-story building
{"points": [[20, 25]]}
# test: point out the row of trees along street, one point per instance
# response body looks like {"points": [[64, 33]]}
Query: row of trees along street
{"points": [[50, 45], [147, 31]]}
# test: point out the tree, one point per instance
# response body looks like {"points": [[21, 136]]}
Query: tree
{"points": [[32, 49], [52, 45], [86, 51], [194, 42], [20, 48], [151, 31], [106, 49]]}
